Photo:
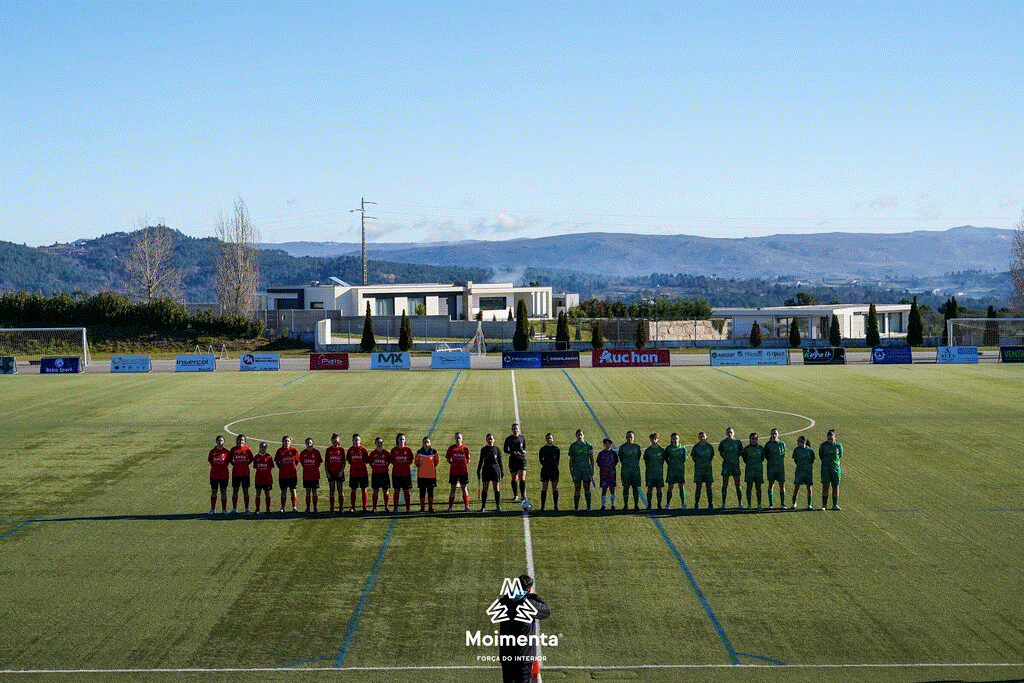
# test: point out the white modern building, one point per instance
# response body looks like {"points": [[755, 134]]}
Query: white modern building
{"points": [[815, 320], [459, 301]]}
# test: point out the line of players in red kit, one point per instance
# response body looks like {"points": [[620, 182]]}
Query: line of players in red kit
{"points": [[367, 469]]}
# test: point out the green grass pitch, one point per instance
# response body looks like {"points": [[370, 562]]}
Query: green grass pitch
{"points": [[109, 563]]}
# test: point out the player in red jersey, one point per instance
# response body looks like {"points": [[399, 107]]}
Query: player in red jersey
{"points": [[286, 458], [263, 463], [218, 459], [380, 460], [358, 478], [401, 473], [241, 458], [311, 461], [458, 476], [334, 463]]}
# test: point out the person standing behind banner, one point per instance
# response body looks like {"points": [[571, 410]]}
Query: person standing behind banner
{"points": [[241, 458], [401, 470], [286, 459], [489, 468], [380, 460], [311, 460], [458, 457], [515, 446], [218, 459], [517, 658], [629, 470], [263, 463], [358, 477], [334, 463], [550, 455], [426, 472]]}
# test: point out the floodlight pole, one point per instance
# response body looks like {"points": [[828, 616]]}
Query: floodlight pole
{"points": [[362, 223]]}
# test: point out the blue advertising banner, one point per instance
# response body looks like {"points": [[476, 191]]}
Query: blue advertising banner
{"points": [[390, 360], [59, 366], [834, 355], [749, 357], [201, 362], [8, 365], [520, 359], [891, 355], [130, 364], [1011, 354], [559, 359], [956, 354], [450, 360], [259, 361]]}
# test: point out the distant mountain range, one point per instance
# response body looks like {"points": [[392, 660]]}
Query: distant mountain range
{"points": [[834, 255]]}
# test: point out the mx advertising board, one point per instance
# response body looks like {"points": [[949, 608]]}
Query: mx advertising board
{"points": [[891, 355], [8, 365], [1011, 354], [520, 359], [390, 360], [259, 361], [62, 365], [328, 361], [956, 354], [197, 362], [559, 359], [833, 355], [450, 360], [130, 364], [749, 357], [631, 358]]}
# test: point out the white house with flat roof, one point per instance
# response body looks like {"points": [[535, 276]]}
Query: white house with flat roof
{"points": [[815, 320], [459, 301]]}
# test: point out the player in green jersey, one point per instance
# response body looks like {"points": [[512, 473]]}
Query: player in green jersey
{"points": [[830, 453], [804, 459], [753, 457], [675, 456], [629, 470], [775, 457], [654, 468], [729, 448], [702, 453], [581, 467]]}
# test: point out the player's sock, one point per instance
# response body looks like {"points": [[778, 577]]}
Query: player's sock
{"points": [[295, 500], [586, 495], [451, 500], [739, 498], [543, 499], [515, 488], [604, 500], [213, 501], [375, 494], [824, 499], [835, 499], [497, 499], [465, 500], [668, 498], [245, 496], [782, 497], [613, 500], [650, 497], [316, 498], [808, 498], [659, 498], [696, 497], [331, 496], [522, 489], [366, 497], [725, 490], [224, 503], [771, 497], [234, 502], [555, 498], [682, 496], [759, 498], [407, 501], [576, 501], [387, 499], [430, 502], [483, 499]]}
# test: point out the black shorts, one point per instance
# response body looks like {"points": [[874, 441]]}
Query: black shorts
{"points": [[239, 481], [311, 484], [221, 484], [339, 478], [289, 483], [402, 481], [425, 484], [548, 474], [358, 482], [462, 479], [516, 463], [264, 487], [488, 474], [380, 480]]}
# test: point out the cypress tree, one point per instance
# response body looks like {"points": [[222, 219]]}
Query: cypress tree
{"points": [[835, 337], [915, 329], [521, 338], [405, 333], [562, 332], [794, 334], [368, 342], [991, 337], [597, 336], [642, 334], [871, 336], [755, 335], [579, 332], [949, 311]]}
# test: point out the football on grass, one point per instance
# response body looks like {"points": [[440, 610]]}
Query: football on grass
{"points": [[527, 506]]}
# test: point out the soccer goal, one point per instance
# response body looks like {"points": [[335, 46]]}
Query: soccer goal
{"points": [[37, 342], [986, 331], [477, 345]]}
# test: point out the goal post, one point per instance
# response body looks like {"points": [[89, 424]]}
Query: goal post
{"points": [[37, 342], [985, 331]]}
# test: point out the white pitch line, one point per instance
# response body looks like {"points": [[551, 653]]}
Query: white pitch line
{"points": [[527, 537]]}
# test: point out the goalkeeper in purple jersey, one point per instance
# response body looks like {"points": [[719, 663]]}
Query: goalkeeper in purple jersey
{"points": [[607, 460]]}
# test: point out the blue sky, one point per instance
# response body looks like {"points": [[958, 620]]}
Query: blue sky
{"points": [[495, 120]]}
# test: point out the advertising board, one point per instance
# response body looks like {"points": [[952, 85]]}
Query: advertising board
{"points": [[956, 354], [328, 361], [520, 359], [450, 360], [61, 365], [833, 355], [130, 364], [390, 360], [891, 355], [749, 357], [259, 361], [629, 358], [195, 362]]}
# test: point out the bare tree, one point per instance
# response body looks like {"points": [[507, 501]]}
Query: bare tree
{"points": [[1017, 261], [238, 264], [151, 274]]}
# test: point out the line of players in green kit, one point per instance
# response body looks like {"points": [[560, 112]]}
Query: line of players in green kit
{"points": [[667, 465]]}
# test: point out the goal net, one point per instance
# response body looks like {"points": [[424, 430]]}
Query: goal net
{"points": [[986, 331], [36, 342], [477, 345]]}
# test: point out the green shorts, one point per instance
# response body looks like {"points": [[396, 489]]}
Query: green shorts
{"points": [[731, 469], [581, 476], [655, 482], [630, 478], [778, 475], [755, 477], [803, 478], [830, 476], [676, 477], [703, 476]]}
